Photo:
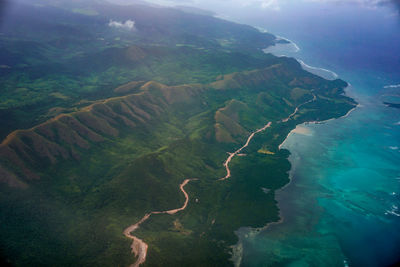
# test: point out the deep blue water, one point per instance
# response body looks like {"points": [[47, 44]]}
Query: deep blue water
{"points": [[342, 207]]}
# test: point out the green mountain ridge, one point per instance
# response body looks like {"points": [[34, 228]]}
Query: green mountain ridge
{"points": [[169, 132]]}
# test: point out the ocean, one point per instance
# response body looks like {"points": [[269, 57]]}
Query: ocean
{"points": [[342, 207]]}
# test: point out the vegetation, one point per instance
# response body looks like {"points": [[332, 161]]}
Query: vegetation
{"points": [[112, 127]]}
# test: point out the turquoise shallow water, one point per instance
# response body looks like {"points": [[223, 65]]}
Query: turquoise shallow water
{"points": [[342, 206], [342, 202]]}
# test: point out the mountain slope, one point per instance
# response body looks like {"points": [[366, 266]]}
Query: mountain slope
{"points": [[107, 164]]}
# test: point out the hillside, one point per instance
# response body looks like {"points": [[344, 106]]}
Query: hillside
{"points": [[108, 163], [57, 55]]}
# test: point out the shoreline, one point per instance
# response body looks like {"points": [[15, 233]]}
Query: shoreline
{"points": [[278, 37], [304, 124], [311, 68], [237, 249], [332, 75], [290, 41]]}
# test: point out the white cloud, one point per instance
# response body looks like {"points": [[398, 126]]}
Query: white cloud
{"points": [[270, 4], [127, 25]]}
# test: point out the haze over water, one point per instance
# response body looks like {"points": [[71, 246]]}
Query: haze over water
{"points": [[342, 207]]}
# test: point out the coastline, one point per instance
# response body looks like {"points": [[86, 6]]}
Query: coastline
{"points": [[295, 47], [304, 124], [314, 70], [246, 232], [237, 249], [285, 50], [290, 41]]}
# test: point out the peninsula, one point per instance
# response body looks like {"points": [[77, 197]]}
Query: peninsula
{"points": [[106, 115]]}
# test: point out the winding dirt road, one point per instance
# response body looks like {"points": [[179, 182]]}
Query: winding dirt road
{"points": [[297, 108], [139, 247], [231, 155], [294, 113]]}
